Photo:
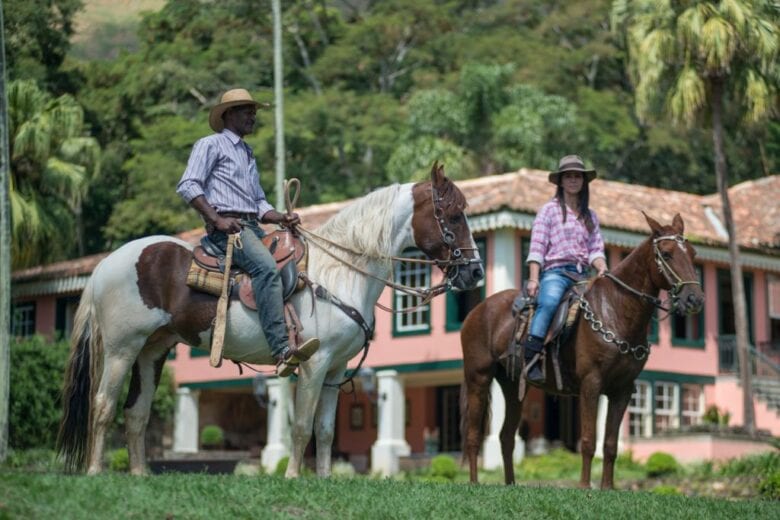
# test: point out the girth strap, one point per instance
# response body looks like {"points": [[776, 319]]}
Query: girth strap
{"points": [[323, 294]]}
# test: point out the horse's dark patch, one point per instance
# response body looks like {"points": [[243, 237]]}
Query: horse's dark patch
{"points": [[135, 387], [162, 273]]}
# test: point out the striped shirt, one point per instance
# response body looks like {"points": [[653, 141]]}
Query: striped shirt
{"points": [[555, 243], [222, 168]]}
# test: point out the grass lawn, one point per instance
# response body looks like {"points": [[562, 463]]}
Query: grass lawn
{"points": [[56, 496]]}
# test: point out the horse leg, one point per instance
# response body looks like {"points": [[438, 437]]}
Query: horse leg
{"points": [[590, 388], [618, 403], [512, 413], [325, 420], [143, 383], [475, 416], [307, 394], [114, 372]]}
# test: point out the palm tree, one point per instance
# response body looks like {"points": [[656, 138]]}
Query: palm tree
{"points": [[5, 256], [52, 162], [687, 57]]}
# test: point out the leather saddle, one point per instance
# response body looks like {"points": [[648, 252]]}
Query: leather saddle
{"points": [[561, 328], [208, 266]]}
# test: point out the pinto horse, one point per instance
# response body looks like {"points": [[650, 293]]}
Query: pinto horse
{"points": [[604, 355], [137, 306]]}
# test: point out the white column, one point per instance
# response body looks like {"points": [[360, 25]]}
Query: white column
{"points": [[391, 436], [601, 425], [491, 449], [185, 428], [601, 428], [505, 261], [279, 416]]}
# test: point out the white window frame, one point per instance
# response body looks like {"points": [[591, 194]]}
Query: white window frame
{"points": [[411, 274], [23, 320], [640, 410], [672, 411], [694, 416]]}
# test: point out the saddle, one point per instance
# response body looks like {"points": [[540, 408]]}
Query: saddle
{"points": [[561, 328], [208, 265]]}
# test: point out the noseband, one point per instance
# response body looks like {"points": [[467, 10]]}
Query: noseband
{"points": [[456, 258], [674, 280]]}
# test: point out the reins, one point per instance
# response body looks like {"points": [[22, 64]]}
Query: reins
{"points": [[641, 351]]}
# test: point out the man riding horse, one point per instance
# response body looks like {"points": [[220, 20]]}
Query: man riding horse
{"points": [[223, 184]]}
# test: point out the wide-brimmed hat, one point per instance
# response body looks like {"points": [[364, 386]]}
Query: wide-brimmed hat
{"points": [[571, 163], [231, 98]]}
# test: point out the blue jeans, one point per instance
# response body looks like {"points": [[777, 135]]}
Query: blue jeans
{"points": [[257, 261], [552, 287]]}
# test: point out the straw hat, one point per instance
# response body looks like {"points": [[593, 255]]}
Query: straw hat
{"points": [[571, 163], [231, 98]]}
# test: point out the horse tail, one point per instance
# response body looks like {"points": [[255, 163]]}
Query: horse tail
{"points": [[82, 378], [464, 410]]}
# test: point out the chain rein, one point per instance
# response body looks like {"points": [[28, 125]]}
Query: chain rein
{"points": [[639, 351]]}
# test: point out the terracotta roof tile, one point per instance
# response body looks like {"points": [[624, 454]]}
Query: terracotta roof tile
{"points": [[619, 206]]}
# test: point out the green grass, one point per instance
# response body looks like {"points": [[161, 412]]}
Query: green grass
{"points": [[29, 495]]}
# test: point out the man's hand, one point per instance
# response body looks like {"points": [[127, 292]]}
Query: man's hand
{"points": [[283, 219], [227, 225]]}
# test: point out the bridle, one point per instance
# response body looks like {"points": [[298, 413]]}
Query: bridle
{"points": [[456, 258], [674, 280], [448, 266], [641, 351]]}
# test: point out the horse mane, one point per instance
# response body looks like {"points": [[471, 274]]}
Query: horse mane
{"points": [[364, 230]]}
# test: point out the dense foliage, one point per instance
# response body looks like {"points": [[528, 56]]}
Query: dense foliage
{"points": [[36, 383], [374, 92]]}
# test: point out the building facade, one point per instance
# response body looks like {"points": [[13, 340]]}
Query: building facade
{"points": [[409, 407]]}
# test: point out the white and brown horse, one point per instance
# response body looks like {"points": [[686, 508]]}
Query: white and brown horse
{"points": [[137, 306]]}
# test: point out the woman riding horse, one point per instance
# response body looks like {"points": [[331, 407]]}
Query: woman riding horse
{"points": [[603, 356]]}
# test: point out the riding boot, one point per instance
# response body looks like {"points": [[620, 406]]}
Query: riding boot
{"points": [[532, 347], [290, 358]]}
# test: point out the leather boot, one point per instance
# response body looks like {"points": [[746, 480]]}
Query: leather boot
{"points": [[289, 360], [532, 347]]}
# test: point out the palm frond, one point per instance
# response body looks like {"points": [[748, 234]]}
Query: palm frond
{"points": [[687, 97], [718, 44], [758, 98]]}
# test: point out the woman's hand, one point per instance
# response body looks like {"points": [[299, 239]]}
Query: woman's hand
{"points": [[532, 288]]}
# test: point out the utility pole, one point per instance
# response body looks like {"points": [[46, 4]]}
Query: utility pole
{"points": [[278, 104], [5, 253]]}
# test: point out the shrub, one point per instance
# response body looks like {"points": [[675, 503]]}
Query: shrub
{"points": [[42, 460], [666, 490], [760, 465], [35, 405], [559, 463], [343, 468], [770, 487], [211, 436], [660, 464], [281, 466], [626, 461], [444, 466], [119, 460]]}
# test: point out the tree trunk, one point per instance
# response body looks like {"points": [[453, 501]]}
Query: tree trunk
{"points": [[5, 253], [737, 285]]}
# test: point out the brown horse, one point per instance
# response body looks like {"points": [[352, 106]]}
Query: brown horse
{"points": [[604, 355]]}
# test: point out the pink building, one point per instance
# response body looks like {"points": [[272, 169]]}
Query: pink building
{"points": [[417, 357]]}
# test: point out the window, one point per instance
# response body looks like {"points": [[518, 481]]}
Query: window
{"points": [[525, 247], [417, 275], [65, 313], [639, 411], [666, 406], [689, 330], [23, 320], [692, 404], [773, 290], [460, 303], [726, 303]]}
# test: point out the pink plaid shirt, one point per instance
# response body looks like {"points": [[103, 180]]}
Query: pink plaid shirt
{"points": [[555, 243]]}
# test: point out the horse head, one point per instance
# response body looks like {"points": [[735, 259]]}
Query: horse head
{"points": [[441, 230], [676, 272]]}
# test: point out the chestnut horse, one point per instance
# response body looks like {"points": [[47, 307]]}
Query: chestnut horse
{"points": [[604, 355], [137, 306]]}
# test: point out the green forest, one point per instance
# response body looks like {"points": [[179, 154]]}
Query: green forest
{"points": [[375, 91]]}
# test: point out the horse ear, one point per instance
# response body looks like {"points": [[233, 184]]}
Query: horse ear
{"points": [[437, 173], [654, 225], [678, 224]]}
